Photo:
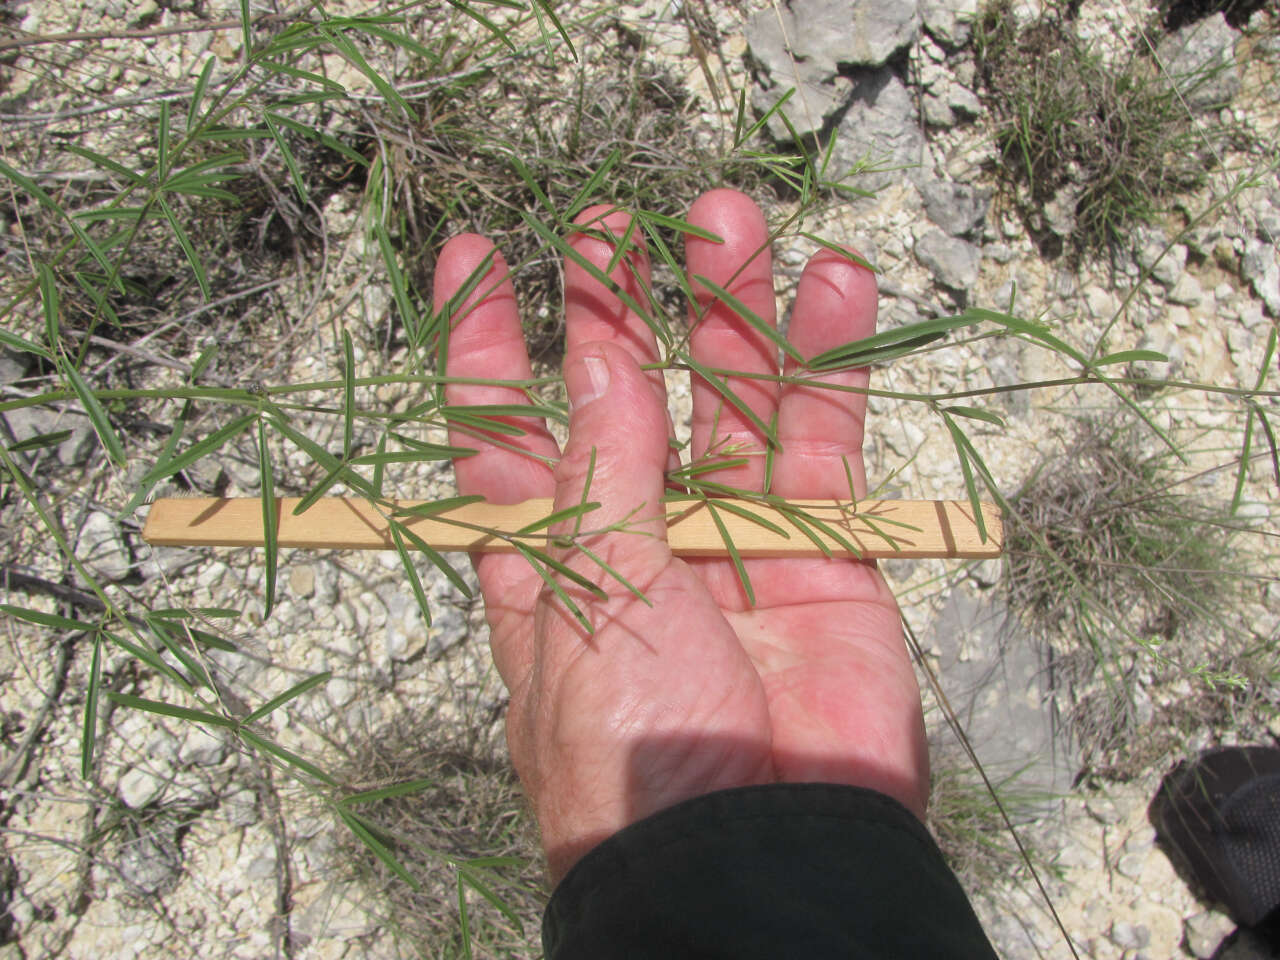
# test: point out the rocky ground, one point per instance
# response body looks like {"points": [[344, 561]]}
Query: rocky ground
{"points": [[184, 843]]}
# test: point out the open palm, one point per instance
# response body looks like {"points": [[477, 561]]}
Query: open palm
{"points": [[691, 689]]}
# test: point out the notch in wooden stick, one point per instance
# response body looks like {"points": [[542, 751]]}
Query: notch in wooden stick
{"points": [[878, 529]]}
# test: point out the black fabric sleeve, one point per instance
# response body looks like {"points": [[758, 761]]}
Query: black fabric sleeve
{"points": [[784, 870]]}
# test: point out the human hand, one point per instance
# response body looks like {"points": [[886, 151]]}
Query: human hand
{"points": [[696, 690]]}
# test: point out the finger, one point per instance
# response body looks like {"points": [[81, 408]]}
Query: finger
{"points": [[618, 438], [486, 341], [743, 266], [820, 430], [595, 313]]}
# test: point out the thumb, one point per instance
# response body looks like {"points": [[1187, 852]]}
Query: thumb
{"points": [[616, 453]]}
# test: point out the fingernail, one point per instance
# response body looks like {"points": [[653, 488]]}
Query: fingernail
{"points": [[598, 376]]}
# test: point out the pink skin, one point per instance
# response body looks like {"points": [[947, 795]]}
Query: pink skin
{"points": [[700, 691]]}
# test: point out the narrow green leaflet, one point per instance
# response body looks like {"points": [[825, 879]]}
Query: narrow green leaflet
{"points": [[23, 345], [91, 710], [761, 325], [333, 86], [343, 46], [386, 793], [348, 394], [358, 826], [722, 387], [169, 710], [188, 250], [30, 186], [411, 572], [323, 457], [286, 755], [170, 444], [568, 513], [482, 424], [150, 658], [97, 416], [215, 440], [270, 532], [1131, 356], [246, 26], [105, 162], [541, 7], [976, 413], [426, 452], [437, 559], [438, 506], [591, 188], [290, 161], [836, 248], [472, 877], [732, 547], [297, 690], [40, 441], [891, 344], [484, 21], [678, 225], [399, 288], [539, 194], [964, 449], [332, 142], [197, 95], [537, 559], [162, 143], [319, 490], [51, 305], [42, 619], [600, 562]]}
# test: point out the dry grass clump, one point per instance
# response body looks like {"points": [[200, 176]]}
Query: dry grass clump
{"points": [[1139, 582], [464, 835]]}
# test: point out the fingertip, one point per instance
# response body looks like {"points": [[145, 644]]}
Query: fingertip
{"points": [[459, 259], [726, 213]]}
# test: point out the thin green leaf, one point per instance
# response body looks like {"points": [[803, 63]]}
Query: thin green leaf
{"points": [[963, 447], [545, 7], [29, 185], [105, 162], [51, 305], [592, 186], [318, 491], [622, 246], [347, 50], [1131, 356], [797, 521], [1271, 443], [215, 440], [348, 394], [387, 793], [40, 441], [472, 879], [333, 86], [169, 710], [288, 756], [836, 248], [747, 514], [162, 143], [411, 573], [833, 533], [39, 618], [568, 513], [23, 345], [97, 416], [536, 560], [722, 388], [193, 258], [270, 532], [442, 505], [764, 118], [482, 424], [197, 95], [428, 452], [290, 161], [246, 27], [539, 194], [437, 560], [732, 547], [399, 288], [323, 457], [400, 40], [600, 562], [376, 847], [891, 344], [678, 225], [297, 690], [761, 325], [163, 633], [976, 413], [379, 469], [150, 658], [566, 250], [484, 21], [90, 733]]}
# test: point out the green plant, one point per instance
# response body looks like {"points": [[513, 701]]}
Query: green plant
{"points": [[289, 201], [1089, 148]]}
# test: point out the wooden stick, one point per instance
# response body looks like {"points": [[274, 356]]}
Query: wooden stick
{"points": [[878, 528]]}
